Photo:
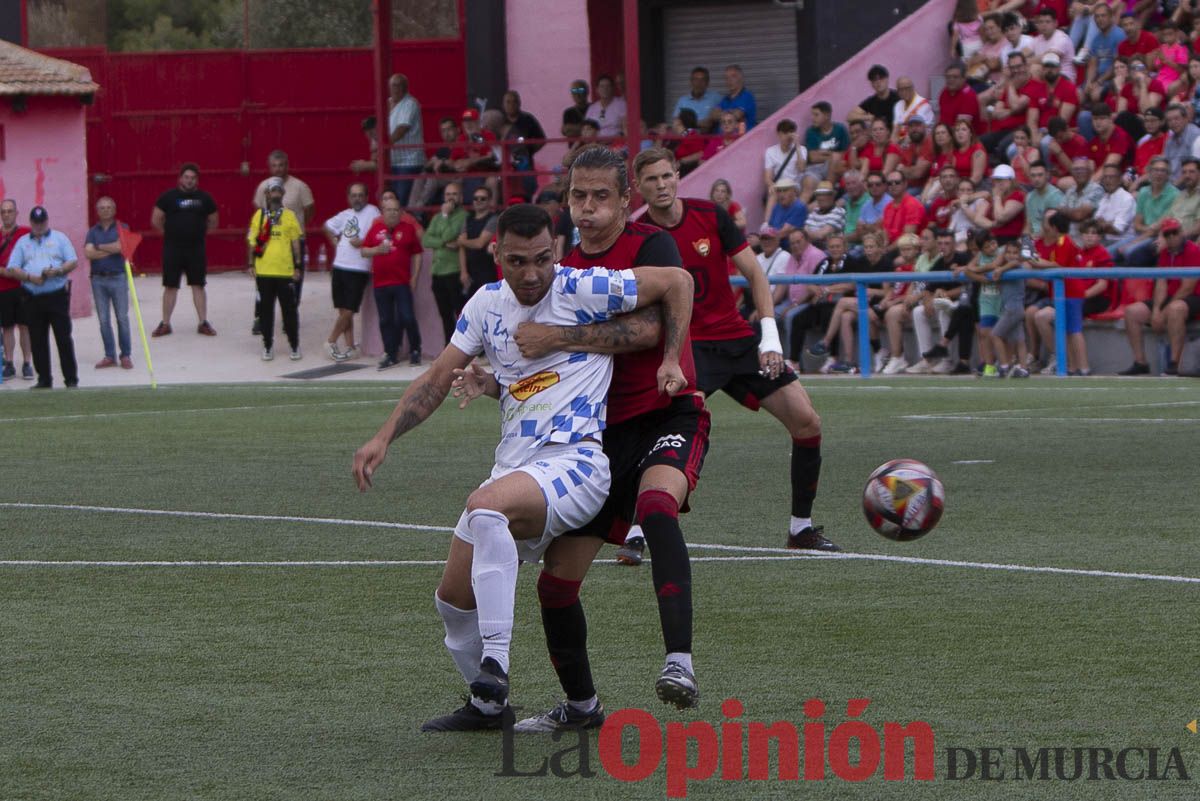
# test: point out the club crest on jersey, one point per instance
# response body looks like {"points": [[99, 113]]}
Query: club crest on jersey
{"points": [[526, 388], [702, 246]]}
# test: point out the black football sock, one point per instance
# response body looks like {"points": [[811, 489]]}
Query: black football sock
{"points": [[565, 626], [806, 472], [658, 515]]}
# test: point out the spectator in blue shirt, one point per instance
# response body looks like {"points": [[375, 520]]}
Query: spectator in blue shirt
{"points": [[110, 290], [738, 97], [789, 213], [41, 260], [1101, 45], [701, 99]]}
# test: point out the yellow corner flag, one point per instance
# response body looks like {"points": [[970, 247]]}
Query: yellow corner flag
{"points": [[129, 243]]}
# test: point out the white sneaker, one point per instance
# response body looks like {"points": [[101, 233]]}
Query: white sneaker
{"points": [[1051, 368], [896, 364], [268, 354], [296, 355], [944, 367], [944, 304], [827, 367], [352, 352], [332, 349], [881, 359], [920, 368]]}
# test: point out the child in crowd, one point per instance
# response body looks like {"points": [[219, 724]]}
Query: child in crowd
{"points": [[895, 309], [1001, 307]]}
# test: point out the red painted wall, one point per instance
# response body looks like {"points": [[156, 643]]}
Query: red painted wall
{"points": [[226, 110]]}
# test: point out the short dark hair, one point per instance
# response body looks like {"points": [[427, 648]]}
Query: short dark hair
{"points": [[368, 123], [651, 155], [189, 165], [525, 220], [700, 69], [1088, 227], [877, 71], [943, 233], [1100, 110], [785, 126], [1060, 221], [686, 115], [983, 236], [549, 196], [823, 106], [445, 120], [483, 188], [599, 157], [1189, 160], [1056, 125]]}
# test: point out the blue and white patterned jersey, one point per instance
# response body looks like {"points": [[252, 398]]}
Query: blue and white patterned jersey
{"points": [[560, 397]]}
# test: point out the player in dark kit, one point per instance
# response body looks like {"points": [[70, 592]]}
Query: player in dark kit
{"points": [[729, 354], [655, 444]]}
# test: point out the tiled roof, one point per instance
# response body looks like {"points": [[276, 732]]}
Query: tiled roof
{"points": [[24, 72]]}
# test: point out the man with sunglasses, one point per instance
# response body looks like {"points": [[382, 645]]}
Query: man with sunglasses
{"points": [[1175, 302], [477, 267], [905, 214]]}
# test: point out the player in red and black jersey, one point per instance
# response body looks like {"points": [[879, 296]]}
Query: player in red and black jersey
{"points": [[655, 445], [729, 354]]}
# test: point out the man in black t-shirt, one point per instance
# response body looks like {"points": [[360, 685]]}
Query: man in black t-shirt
{"points": [[184, 215], [950, 304], [882, 104], [574, 114], [475, 256]]}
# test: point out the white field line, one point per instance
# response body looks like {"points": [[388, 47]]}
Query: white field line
{"points": [[313, 562], [335, 521], [976, 419], [745, 552], [155, 412], [975, 461]]}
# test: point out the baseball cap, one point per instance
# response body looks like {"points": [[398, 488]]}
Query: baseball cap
{"points": [[38, 215], [786, 183], [766, 229], [1169, 224], [275, 183], [824, 186], [1051, 58], [471, 114], [1003, 171], [916, 120]]}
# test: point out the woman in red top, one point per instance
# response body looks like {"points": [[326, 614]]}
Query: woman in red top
{"points": [[970, 159], [943, 154], [721, 193], [729, 132], [1025, 155], [880, 154]]}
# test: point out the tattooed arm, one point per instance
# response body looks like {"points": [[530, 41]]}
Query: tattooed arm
{"points": [[419, 401], [673, 287], [625, 333]]}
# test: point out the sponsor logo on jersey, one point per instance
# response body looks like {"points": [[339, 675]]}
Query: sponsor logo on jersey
{"points": [[526, 388], [702, 246]]}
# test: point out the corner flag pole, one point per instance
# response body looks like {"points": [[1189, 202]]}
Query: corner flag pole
{"points": [[129, 243]]}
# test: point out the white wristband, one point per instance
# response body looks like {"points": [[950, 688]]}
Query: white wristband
{"points": [[770, 337]]}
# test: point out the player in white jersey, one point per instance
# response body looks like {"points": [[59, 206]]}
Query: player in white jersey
{"points": [[551, 474]]}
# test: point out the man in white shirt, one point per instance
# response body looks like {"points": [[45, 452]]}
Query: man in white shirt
{"points": [[351, 270], [1117, 208], [784, 160], [551, 474], [909, 105], [608, 110]]}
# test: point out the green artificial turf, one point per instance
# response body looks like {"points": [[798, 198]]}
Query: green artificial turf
{"points": [[309, 681]]}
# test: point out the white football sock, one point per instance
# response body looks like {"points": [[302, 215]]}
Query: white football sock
{"points": [[799, 524], [584, 706], [680, 657], [634, 531], [494, 578], [462, 637]]}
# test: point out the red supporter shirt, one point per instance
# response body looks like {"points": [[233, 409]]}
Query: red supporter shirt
{"points": [[1063, 92], [1016, 225], [875, 156], [1145, 43], [900, 289], [939, 213], [1035, 90], [707, 239], [963, 159], [1064, 253], [6, 247], [1092, 257], [393, 268], [474, 148], [910, 154], [1188, 257], [1118, 142], [634, 388], [1147, 149], [899, 213], [1075, 147], [963, 103]]}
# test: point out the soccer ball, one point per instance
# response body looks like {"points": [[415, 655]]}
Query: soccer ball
{"points": [[903, 499]]}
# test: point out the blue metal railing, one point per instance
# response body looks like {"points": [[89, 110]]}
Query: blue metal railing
{"points": [[1056, 277]]}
